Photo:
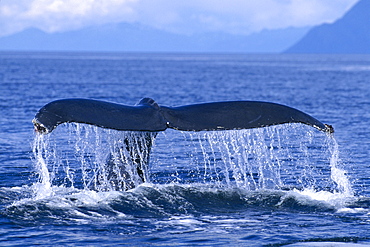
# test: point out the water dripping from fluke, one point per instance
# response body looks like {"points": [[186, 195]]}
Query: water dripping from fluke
{"points": [[283, 157]]}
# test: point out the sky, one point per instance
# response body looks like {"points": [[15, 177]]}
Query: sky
{"points": [[177, 16]]}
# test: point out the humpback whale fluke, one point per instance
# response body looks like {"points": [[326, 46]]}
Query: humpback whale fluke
{"points": [[126, 166], [149, 116]]}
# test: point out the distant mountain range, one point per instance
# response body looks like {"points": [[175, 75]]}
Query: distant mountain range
{"points": [[350, 34], [138, 38]]}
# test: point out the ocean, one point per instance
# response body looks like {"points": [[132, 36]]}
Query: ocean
{"points": [[284, 185]]}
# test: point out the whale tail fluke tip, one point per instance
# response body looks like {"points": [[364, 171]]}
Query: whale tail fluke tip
{"points": [[39, 127], [329, 128]]}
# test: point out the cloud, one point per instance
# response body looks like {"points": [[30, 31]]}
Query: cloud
{"points": [[246, 16], [234, 16], [61, 15]]}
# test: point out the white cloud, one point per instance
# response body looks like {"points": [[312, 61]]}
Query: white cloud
{"points": [[233, 16], [61, 15]]}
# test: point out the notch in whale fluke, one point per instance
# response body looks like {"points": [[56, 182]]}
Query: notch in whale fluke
{"points": [[149, 116]]}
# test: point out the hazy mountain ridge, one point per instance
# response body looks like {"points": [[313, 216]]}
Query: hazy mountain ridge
{"points": [[138, 38], [349, 34]]}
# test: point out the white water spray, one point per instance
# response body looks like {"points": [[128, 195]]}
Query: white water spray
{"points": [[42, 156], [338, 175], [278, 157]]}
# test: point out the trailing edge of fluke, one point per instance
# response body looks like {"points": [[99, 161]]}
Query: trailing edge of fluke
{"points": [[147, 115]]}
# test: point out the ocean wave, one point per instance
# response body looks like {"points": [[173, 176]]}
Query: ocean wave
{"points": [[75, 206]]}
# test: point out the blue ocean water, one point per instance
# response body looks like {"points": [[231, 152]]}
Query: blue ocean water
{"points": [[283, 185]]}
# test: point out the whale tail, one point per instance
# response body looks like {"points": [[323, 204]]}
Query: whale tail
{"points": [[149, 116], [126, 167]]}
